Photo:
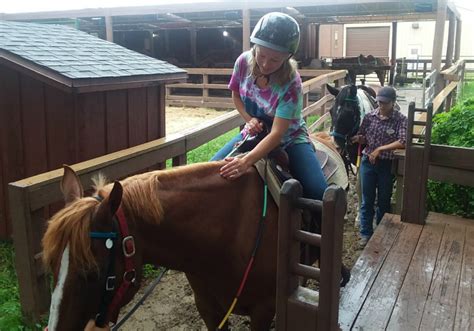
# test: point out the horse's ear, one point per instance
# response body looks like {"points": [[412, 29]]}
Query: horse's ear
{"points": [[115, 197], [71, 185], [353, 91], [334, 91]]}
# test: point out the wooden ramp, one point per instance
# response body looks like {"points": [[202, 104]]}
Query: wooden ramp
{"points": [[413, 277]]}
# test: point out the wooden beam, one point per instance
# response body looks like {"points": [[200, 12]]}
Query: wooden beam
{"points": [[438, 42], [451, 37], [393, 56], [439, 99], [457, 48], [109, 29], [246, 29]]}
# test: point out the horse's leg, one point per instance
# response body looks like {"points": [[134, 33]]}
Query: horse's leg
{"points": [[209, 309], [261, 316]]}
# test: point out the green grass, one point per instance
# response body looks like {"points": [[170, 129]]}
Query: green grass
{"points": [[10, 310], [467, 91]]}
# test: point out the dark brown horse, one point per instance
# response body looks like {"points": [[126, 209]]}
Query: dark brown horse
{"points": [[188, 219]]}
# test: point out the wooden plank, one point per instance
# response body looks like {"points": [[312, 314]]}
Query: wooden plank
{"points": [[153, 113], [318, 105], [439, 99], [454, 157], [33, 127], [34, 291], [199, 86], [60, 128], [378, 305], [440, 308], [91, 125], [116, 120], [465, 304], [208, 71], [411, 300], [137, 116], [451, 175], [365, 270], [224, 104], [11, 140], [412, 184], [44, 188]]}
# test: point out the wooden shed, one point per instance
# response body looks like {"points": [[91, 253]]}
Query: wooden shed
{"points": [[67, 96]]}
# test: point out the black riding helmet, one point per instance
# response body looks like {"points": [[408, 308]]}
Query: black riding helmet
{"points": [[277, 31]]}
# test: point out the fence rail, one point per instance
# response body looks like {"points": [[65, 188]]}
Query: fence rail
{"points": [[178, 94]]}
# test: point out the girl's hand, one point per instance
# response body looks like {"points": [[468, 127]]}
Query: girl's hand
{"points": [[234, 168], [254, 126], [374, 155], [358, 139]]}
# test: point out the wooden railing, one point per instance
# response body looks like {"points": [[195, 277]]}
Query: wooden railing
{"points": [[29, 198], [300, 308], [315, 84], [422, 160]]}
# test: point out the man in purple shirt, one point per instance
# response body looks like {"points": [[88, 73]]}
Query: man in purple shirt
{"points": [[382, 130]]}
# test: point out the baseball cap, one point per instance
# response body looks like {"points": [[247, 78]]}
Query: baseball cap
{"points": [[386, 94]]}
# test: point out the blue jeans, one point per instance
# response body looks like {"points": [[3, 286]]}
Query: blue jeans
{"points": [[224, 151], [376, 179], [304, 167]]}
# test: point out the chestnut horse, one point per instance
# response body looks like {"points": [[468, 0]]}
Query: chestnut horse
{"points": [[188, 218]]}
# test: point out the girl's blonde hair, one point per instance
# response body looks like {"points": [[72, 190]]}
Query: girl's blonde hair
{"points": [[282, 76]]}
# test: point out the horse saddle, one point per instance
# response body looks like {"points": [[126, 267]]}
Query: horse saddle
{"points": [[275, 168]]}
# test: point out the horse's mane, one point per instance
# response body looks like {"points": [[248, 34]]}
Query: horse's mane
{"points": [[71, 225]]}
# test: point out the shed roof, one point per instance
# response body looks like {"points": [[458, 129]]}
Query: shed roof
{"points": [[79, 60]]}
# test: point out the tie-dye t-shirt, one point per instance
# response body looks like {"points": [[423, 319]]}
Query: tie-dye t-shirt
{"points": [[274, 100]]}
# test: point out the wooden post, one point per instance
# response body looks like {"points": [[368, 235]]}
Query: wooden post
{"points": [[33, 282], [287, 219], [393, 56], [450, 47], [205, 90], [457, 48], [245, 29], [438, 43], [334, 209], [193, 37], [109, 29], [416, 170]]}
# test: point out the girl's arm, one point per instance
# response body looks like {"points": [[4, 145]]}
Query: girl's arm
{"points": [[237, 166]]}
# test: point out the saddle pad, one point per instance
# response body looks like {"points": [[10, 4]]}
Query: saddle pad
{"points": [[334, 170], [332, 165]]}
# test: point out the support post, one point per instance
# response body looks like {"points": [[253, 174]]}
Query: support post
{"points": [[393, 56], [438, 43], [457, 48], [109, 30], [245, 29], [450, 47]]}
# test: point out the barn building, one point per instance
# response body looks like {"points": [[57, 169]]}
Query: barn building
{"points": [[67, 96]]}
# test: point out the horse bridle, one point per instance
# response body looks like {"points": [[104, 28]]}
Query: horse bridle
{"points": [[347, 138], [111, 299]]}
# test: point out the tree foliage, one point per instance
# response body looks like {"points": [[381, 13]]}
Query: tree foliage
{"points": [[454, 128]]}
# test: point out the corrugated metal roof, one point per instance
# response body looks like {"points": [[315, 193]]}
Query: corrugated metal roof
{"points": [[76, 54]]}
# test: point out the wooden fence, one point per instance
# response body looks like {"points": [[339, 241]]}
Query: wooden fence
{"points": [[29, 198], [216, 80], [300, 308], [422, 160]]}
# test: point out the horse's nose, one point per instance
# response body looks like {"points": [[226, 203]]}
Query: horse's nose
{"points": [[45, 329]]}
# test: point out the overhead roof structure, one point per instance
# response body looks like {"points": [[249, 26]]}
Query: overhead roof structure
{"points": [[209, 13]]}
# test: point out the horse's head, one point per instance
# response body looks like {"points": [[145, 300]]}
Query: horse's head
{"points": [[86, 247], [345, 115]]}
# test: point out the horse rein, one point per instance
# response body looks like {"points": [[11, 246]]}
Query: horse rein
{"points": [[347, 138], [110, 302]]}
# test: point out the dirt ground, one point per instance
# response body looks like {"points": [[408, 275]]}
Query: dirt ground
{"points": [[171, 305]]}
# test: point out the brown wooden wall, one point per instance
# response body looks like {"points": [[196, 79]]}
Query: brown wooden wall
{"points": [[42, 127]]}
